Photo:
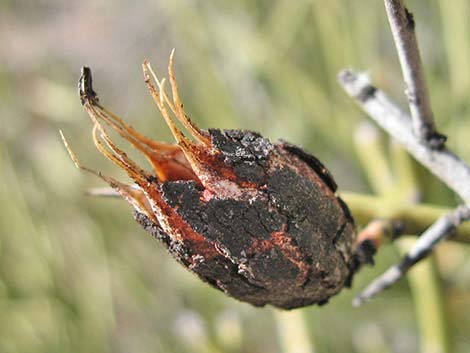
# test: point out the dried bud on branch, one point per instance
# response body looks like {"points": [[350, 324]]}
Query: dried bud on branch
{"points": [[257, 220]]}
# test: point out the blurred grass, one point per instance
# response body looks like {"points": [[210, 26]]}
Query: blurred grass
{"points": [[78, 275]]}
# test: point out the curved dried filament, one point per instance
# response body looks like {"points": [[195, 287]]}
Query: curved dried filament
{"points": [[168, 161], [195, 154], [176, 106], [152, 155], [121, 126], [181, 139], [133, 195], [129, 164], [199, 134]]}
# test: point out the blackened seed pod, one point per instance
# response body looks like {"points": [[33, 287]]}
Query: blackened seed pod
{"points": [[257, 220]]}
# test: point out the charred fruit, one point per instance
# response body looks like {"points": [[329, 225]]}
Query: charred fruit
{"points": [[257, 220]]}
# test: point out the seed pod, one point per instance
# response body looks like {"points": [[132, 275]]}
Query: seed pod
{"points": [[257, 220]]}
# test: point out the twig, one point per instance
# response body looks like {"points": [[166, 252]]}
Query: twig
{"points": [[415, 218], [424, 281], [417, 134], [403, 29], [440, 230], [443, 163]]}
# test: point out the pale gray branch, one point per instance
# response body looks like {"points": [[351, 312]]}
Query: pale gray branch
{"points": [[443, 163], [403, 29], [440, 230], [416, 133]]}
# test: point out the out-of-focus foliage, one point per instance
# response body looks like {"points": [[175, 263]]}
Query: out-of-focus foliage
{"points": [[78, 275]]}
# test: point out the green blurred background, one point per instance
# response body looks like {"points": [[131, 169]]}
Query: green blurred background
{"points": [[77, 274]]}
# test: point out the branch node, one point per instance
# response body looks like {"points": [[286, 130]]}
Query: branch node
{"points": [[430, 152], [358, 85], [434, 139], [410, 20]]}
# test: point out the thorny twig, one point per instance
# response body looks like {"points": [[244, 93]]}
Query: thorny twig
{"points": [[403, 29], [417, 134]]}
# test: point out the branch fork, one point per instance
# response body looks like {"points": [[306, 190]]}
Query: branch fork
{"points": [[417, 133]]}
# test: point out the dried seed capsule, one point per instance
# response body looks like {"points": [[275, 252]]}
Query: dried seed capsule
{"points": [[257, 220]]}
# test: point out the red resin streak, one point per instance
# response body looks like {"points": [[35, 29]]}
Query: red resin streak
{"points": [[193, 240], [283, 242]]}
